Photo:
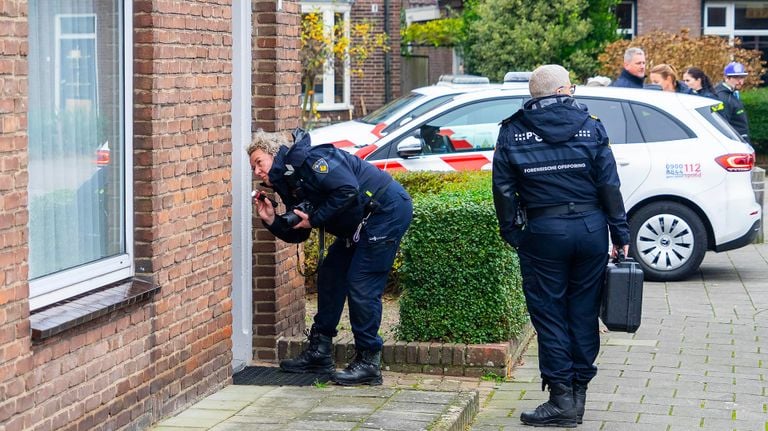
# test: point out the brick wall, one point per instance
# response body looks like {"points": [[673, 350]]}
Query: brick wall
{"points": [[15, 346], [130, 368], [669, 16], [278, 289], [370, 88]]}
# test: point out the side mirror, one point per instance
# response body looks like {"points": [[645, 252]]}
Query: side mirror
{"points": [[409, 147]]}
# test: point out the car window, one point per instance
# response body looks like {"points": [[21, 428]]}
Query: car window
{"points": [[385, 111], [471, 127], [418, 111], [611, 114], [717, 120], [656, 125]]}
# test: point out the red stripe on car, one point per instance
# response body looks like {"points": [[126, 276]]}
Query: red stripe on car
{"points": [[466, 163], [390, 166], [378, 128]]}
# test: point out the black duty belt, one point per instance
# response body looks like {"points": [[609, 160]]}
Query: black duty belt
{"points": [[558, 210]]}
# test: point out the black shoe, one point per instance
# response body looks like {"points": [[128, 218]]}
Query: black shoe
{"points": [[365, 369], [315, 358], [559, 411], [579, 400]]}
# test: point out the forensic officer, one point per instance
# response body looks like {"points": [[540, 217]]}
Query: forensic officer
{"points": [[366, 210], [553, 162], [727, 91]]}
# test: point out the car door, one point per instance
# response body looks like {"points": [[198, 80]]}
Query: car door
{"points": [[632, 156], [460, 138]]}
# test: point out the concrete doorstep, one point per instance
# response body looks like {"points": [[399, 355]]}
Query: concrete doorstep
{"points": [[327, 407]]}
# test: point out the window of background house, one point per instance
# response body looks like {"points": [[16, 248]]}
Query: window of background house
{"points": [[625, 12], [79, 177], [332, 90]]}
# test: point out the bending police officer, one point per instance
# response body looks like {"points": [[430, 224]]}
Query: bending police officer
{"points": [[553, 161], [366, 210]]}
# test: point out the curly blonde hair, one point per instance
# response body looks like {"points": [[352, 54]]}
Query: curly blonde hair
{"points": [[267, 142]]}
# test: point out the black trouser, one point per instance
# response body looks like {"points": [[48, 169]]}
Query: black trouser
{"points": [[563, 261], [357, 272]]}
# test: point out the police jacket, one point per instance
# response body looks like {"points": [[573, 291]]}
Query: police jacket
{"points": [[338, 185], [552, 153], [733, 109], [704, 93], [628, 80]]}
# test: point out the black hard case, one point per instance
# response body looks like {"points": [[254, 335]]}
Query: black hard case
{"points": [[622, 302]]}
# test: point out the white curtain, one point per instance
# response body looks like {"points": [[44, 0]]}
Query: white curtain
{"points": [[75, 160]]}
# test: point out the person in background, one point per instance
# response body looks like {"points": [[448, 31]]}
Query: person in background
{"points": [[556, 193], [698, 82], [665, 76], [598, 81], [727, 91], [366, 210], [633, 73]]}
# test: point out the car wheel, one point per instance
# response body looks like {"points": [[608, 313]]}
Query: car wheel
{"points": [[668, 240]]}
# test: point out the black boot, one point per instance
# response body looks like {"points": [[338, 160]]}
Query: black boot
{"points": [[559, 411], [579, 399], [315, 358], [365, 369]]}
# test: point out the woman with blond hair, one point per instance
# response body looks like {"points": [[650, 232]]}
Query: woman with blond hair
{"points": [[665, 76]]}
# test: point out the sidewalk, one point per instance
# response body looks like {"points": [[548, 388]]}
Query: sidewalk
{"points": [[699, 360]]}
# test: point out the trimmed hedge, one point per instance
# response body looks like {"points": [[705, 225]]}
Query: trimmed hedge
{"points": [[460, 281], [756, 104]]}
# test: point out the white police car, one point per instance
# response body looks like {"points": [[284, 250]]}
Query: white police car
{"points": [[355, 134], [685, 174]]}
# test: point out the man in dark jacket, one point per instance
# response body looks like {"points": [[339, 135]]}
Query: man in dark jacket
{"points": [[366, 210], [633, 73], [556, 192], [728, 92]]}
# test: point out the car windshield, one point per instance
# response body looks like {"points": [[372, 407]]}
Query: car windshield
{"points": [[381, 114], [717, 120]]}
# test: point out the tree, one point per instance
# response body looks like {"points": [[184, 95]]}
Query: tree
{"points": [[321, 47], [504, 35]]}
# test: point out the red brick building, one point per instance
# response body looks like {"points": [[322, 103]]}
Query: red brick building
{"points": [[131, 281], [746, 19]]}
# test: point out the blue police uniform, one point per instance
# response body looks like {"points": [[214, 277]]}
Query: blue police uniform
{"points": [[365, 209], [628, 80], [553, 161], [732, 109]]}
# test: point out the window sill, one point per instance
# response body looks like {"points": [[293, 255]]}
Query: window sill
{"points": [[58, 317]]}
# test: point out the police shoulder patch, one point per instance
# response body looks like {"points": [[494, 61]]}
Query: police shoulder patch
{"points": [[320, 166]]}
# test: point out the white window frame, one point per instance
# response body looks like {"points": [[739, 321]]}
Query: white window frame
{"points": [[65, 284], [730, 21], [633, 28], [328, 10]]}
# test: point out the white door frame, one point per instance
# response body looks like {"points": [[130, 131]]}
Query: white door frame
{"points": [[242, 309]]}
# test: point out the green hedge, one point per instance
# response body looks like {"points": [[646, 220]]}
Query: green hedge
{"points": [[756, 104], [460, 281]]}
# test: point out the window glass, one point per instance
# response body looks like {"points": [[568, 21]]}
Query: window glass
{"points": [[472, 127], [751, 16], [657, 126], [382, 114], [717, 120], [418, 111], [76, 124], [331, 86], [625, 14], [715, 16], [611, 116]]}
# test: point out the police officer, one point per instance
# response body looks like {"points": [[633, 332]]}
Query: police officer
{"points": [[553, 163], [727, 91], [368, 213]]}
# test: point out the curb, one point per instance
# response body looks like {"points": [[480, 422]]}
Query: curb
{"points": [[458, 415], [449, 359]]}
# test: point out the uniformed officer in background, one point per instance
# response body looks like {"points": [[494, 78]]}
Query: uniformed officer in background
{"points": [[727, 91], [553, 165], [366, 210]]}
